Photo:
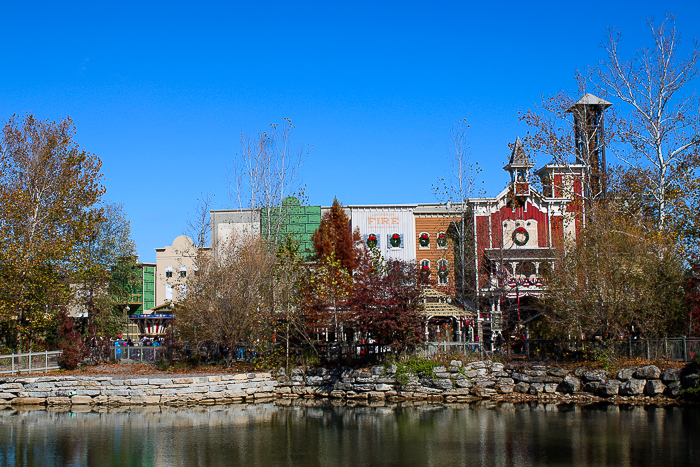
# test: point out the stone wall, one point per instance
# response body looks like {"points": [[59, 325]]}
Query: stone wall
{"points": [[457, 383]]}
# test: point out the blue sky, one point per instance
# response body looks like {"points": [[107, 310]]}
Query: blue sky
{"points": [[161, 92]]}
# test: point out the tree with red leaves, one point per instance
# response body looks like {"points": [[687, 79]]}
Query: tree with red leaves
{"points": [[386, 302], [335, 236]]}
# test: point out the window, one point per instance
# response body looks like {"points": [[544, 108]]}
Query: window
{"points": [[442, 240], [425, 268], [395, 240], [183, 271], [168, 292], [424, 241], [168, 271], [372, 240], [443, 272]]}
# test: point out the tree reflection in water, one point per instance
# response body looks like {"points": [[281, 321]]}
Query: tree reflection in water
{"points": [[322, 434]]}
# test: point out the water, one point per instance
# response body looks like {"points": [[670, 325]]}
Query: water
{"points": [[321, 434]]}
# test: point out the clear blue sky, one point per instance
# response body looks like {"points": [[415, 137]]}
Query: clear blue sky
{"points": [[161, 92]]}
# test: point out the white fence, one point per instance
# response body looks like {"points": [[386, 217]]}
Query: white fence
{"points": [[29, 362]]}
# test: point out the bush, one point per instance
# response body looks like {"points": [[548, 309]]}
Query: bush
{"points": [[70, 342]]}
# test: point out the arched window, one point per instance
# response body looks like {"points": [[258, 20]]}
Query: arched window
{"points": [[425, 268], [443, 272], [424, 241]]}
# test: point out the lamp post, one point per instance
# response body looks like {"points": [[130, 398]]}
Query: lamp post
{"points": [[126, 314]]}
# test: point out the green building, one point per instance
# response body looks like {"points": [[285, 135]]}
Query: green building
{"points": [[292, 219]]}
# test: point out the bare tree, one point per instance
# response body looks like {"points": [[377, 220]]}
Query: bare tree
{"points": [[659, 124], [265, 173], [455, 191]]}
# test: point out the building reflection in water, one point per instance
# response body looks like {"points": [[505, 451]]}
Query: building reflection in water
{"points": [[320, 434]]}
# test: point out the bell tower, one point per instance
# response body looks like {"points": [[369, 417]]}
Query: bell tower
{"points": [[589, 141], [519, 167]]}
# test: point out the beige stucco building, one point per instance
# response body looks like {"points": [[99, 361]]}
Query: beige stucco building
{"points": [[173, 265]]}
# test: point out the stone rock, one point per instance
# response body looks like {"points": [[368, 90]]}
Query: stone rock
{"points": [[625, 374], [363, 387], [536, 388], [442, 374], [521, 377], [457, 376], [439, 369], [496, 367], [508, 381], [648, 372], [486, 383], [378, 370], [537, 379], [442, 383], [382, 387], [592, 386], [553, 379], [570, 384], [483, 392], [673, 389], [594, 375], [557, 372], [505, 388], [456, 363], [463, 383], [297, 372], [314, 380], [29, 401], [654, 387], [475, 373], [454, 369], [578, 372], [550, 388], [690, 381], [632, 387], [83, 400], [610, 388], [539, 367], [671, 374], [522, 388]]}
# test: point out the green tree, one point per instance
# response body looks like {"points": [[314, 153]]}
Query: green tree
{"points": [[49, 189]]}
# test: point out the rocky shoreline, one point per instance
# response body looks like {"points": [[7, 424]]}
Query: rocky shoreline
{"points": [[459, 382]]}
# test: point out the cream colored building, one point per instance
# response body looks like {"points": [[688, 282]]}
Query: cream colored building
{"points": [[173, 265]]}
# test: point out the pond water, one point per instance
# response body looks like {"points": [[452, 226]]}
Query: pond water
{"points": [[321, 434]]}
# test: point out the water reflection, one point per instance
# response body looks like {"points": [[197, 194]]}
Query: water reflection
{"points": [[323, 434]]}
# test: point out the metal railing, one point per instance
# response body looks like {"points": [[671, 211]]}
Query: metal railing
{"points": [[29, 362], [137, 354]]}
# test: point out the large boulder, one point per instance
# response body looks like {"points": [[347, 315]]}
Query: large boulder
{"points": [[522, 388], [648, 372], [671, 374], [626, 374], [593, 386], [536, 388], [610, 388], [595, 375], [442, 384], [654, 387], [690, 381], [673, 389], [558, 372], [633, 387], [570, 384]]}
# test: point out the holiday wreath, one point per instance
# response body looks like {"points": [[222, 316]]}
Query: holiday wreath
{"points": [[371, 240], [442, 239], [395, 240], [424, 239], [520, 236]]}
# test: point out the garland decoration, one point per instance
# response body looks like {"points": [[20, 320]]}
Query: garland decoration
{"points": [[443, 272], [424, 239], [520, 236], [442, 240], [372, 241], [395, 240]]}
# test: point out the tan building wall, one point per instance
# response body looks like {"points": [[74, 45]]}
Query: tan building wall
{"points": [[173, 265], [433, 224]]}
